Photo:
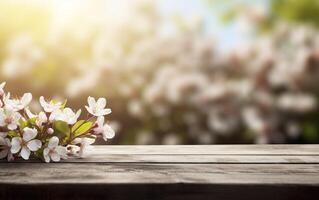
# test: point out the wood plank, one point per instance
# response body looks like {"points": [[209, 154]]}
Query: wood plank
{"points": [[209, 149], [296, 154], [231, 154], [213, 159], [104, 173], [170, 172]]}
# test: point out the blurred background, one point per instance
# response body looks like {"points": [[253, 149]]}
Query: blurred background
{"points": [[173, 71]]}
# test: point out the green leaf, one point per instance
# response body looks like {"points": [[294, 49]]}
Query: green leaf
{"points": [[22, 123], [61, 128], [13, 134], [81, 127], [32, 121]]}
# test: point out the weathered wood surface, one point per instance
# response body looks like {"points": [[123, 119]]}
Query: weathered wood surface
{"points": [[170, 172]]}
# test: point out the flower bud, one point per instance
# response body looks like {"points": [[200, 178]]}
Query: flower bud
{"points": [[50, 131]]}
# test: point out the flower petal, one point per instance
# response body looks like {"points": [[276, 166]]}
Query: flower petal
{"points": [[12, 126], [101, 103], [55, 157], [25, 153], [42, 117], [16, 144], [105, 111], [29, 133], [91, 102], [34, 145], [108, 132], [43, 102], [26, 99], [46, 155], [62, 151], [88, 141], [100, 120], [53, 142]]}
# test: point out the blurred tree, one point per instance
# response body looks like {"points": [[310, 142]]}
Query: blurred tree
{"points": [[296, 11]]}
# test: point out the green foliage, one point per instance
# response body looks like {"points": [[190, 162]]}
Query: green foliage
{"points": [[306, 11], [13, 134], [61, 129], [32, 121], [81, 127], [22, 123], [300, 11], [310, 132]]}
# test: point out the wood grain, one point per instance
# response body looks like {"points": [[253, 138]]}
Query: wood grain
{"points": [[170, 172]]}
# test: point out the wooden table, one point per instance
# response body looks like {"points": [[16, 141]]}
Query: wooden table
{"points": [[171, 172]]}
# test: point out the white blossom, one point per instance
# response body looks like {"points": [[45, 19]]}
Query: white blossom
{"points": [[67, 115], [27, 143], [85, 145], [9, 118], [97, 108], [5, 146], [51, 106], [18, 104], [42, 118], [104, 129], [54, 151]]}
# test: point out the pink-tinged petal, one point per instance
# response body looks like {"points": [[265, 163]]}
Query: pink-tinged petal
{"points": [[55, 115], [29, 133], [43, 102], [53, 142], [25, 153], [12, 126], [4, 153], [42, 118], [34, 145], [55, 156], [46, 155], [16, 144], [101, 103]]}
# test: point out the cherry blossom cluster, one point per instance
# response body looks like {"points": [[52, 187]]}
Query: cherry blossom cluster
{"points": [[51, 135]]}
